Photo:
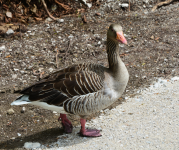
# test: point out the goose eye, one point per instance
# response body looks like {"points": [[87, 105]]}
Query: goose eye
{"points": [[112, 29]]}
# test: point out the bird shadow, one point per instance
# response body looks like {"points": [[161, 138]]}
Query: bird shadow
{"points": [[45, 138]]}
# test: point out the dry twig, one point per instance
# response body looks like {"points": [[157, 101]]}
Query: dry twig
{"points": [[129, 6], [64, 6], [48, 11], [161, 4]]}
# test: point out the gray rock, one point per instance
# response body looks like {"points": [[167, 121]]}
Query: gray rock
{"points": [[9, 14], [2, 47], [14, 76], [23, 110], [10, 111], [48, 19], [30, 145], [124, 5], [9, 31], [60, 20]]}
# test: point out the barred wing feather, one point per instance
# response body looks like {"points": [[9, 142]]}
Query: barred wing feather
{"points": [[65, 84]]}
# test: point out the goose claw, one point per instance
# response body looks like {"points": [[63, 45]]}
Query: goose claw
{"points": [[90, 133]]}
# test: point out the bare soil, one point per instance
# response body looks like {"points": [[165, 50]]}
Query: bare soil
{"points": [[152, 51]]}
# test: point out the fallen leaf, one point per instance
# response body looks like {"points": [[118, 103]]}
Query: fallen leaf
{"points": [[38, 19], [152, 37], [8, 56], [98, 14], [84, 19], [156, 38]]}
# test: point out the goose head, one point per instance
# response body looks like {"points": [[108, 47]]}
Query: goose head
{"points": [[115, 33]]}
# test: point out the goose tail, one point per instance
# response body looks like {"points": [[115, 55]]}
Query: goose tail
{"points": [[21, 100]]}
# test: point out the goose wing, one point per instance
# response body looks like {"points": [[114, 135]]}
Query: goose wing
{"points": [[64, 84]]}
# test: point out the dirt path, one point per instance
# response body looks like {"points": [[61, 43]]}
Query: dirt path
{"points": [[152, 52], [147, 121]]}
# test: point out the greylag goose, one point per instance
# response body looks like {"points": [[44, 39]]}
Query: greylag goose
{"points": [[82, 89]]}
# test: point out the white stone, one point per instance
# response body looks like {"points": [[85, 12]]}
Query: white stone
{"points": [[60, 20], [14, 76], [9, 14], [18, 134], [124, 5], [2, 47], [30, 145], [9, 31], [48, 19], [50, 69]]}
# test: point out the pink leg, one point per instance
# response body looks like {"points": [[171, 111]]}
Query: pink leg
{"points": [[88, 132], [67, 126]]}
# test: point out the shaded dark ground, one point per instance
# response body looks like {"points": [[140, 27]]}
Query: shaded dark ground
{"points": [[152, 52]]}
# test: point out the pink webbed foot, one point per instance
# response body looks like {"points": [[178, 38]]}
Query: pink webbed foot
{"points": [[67, 126], [88, 132]]}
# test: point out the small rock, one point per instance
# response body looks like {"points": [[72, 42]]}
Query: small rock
{"points": [[70, 36], [30, 145], [2, 47], [14, 76], [9, 31], [60, 20], [18, 134], [23, 110], [22, 71], [50, 69], [10, 111], [9, 14], [74, 60], [76, 55], [48, 19], [124, 5]]}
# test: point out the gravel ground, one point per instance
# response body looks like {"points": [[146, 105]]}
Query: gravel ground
{"points": [[152, 52], [146, 121]]}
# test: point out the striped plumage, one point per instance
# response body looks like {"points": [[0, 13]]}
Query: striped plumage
{"points": [[82, 89]]}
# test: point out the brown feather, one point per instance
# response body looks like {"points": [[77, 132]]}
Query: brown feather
{"points": [[64, 84]]}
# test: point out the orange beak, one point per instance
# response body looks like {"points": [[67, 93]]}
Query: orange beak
{"points": [[120, 37]]}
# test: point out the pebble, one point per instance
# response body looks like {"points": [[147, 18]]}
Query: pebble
{"points": [[10, 111], [14, 76], [23, 110], [50, 69], [9, 31], [18, 134], [124, 5], [48, 19], [2, 47], [60, 20], [9, 14], [30, 145]]}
